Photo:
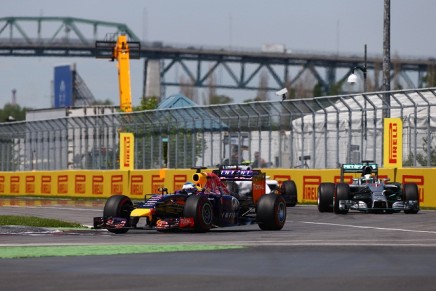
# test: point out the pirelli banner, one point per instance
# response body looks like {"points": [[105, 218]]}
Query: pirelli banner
{"points": [[127, 143], [393, 143]]}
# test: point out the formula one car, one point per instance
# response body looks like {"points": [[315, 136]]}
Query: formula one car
{"points": [[367, 193], [198, 206]]}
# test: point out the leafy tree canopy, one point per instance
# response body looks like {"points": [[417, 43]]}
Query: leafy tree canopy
{"points": [[12, 112]]}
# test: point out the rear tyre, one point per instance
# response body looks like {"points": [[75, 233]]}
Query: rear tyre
{"points": [[410, 192], [289, 192], [118, 206], [325, 197], [200, 209], [271, 212], [342, 193]]}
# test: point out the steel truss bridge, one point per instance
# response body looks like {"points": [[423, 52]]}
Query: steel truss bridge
{"points": [[239, 68]]}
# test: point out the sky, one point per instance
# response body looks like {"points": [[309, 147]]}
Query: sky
{"points": [[325, 26]]}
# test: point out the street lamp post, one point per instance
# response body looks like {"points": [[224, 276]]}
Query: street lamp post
{"points": [[353, 78], [387, 55]]}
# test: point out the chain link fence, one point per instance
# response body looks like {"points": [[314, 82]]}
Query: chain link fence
{"points": [[321, 132]]}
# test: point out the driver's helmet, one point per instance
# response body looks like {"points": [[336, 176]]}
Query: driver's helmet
{"points": [[367, 179], [189, 188]]}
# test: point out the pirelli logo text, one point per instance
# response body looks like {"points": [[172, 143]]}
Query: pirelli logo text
{"points": [[137, 185], [80, 184], [63, 184], [156, 183], [117, 184], [97, 185], [127, 151], [347, 179], [46, 184], [281, 178], [2, 184], [393, 143], [310, 187], [15, 184], [419, 180], [30, 184], [179, 180]]}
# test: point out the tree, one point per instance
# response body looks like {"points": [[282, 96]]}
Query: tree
{"points": [[422, 158], [147, 103], [104, 102], [430, 78], [220, 99], [14, 111]]}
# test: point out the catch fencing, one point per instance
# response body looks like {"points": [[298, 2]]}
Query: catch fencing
{"points": [[321, 132]]}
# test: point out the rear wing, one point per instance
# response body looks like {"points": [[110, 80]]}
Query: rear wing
{"points": [[366, 167], [237, 174], [244, 173]]}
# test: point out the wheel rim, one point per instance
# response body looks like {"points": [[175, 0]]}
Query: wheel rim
{"points": [[282, 212], [207, 213]]}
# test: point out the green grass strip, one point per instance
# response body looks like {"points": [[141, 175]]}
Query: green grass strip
{"points": [[35, 221], [13, 252]]}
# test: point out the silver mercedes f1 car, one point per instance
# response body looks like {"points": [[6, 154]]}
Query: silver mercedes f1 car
{"points": [[367, 193]]}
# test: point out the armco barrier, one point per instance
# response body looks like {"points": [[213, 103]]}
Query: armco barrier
{"points": [[137, 183]]}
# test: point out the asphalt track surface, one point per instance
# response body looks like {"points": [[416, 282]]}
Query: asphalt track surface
{"points": [[314, 251]]}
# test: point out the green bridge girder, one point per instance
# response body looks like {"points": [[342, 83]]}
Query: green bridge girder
{"points": [[69, 37]]}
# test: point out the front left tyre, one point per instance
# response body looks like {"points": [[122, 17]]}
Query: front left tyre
{"points": [[200, 209], [271, 212], [118, 206]]}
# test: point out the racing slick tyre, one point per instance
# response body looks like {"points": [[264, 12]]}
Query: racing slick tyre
{"points": [[325, 197], [200, 209], [410, 192], [271, 212], [342, 192], [118, 206], [289, 192]]}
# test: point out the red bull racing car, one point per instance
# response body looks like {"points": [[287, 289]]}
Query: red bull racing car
{"points": [[199, 206], [367, 193]]}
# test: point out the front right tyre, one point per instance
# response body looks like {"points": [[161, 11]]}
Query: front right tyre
{"points": [[325, 197], [410, 193], [342, 192]]}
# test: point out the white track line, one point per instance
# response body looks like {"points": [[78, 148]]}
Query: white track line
{"points": [[370, 227]]}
